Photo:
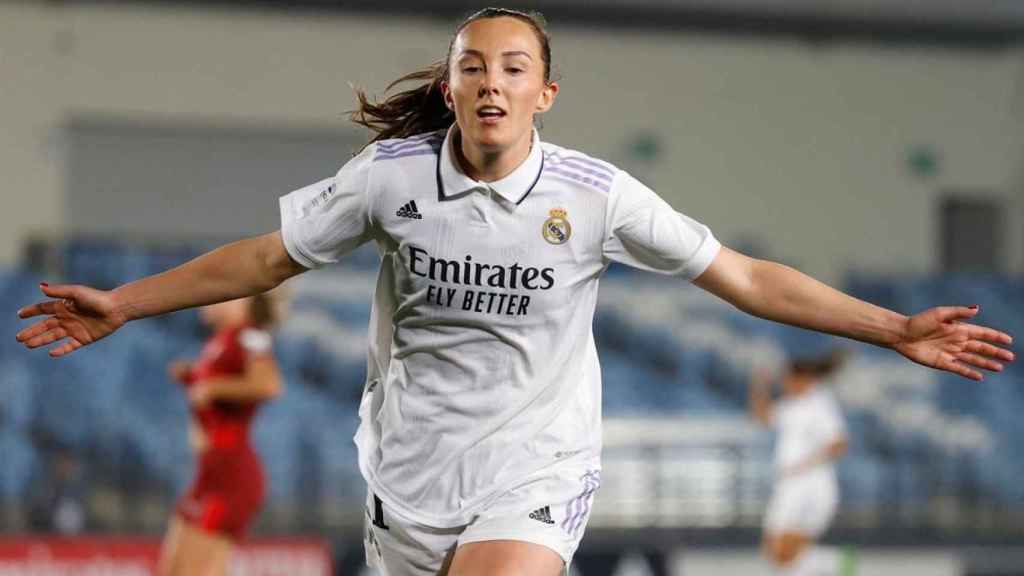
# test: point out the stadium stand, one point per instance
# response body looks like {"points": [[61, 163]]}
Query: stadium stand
{"points": [[918, 438]]}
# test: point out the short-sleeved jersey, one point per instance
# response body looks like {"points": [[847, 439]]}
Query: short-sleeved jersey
{"points": [[806, 425], [482, 364], [226, 425]]}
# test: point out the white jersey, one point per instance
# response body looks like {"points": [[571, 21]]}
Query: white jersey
{"points": [[482, 366], [807, 424]]}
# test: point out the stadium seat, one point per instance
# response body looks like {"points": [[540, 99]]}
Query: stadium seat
{"points": [[17, 393], [20, 465], [651, 364]]}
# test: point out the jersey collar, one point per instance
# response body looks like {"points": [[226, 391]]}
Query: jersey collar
{"points": [[514, 188]]}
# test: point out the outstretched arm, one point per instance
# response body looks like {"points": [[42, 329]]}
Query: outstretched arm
{"points": [[939, 337], [83, 315]]}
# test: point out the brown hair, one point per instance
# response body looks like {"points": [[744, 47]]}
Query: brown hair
{"points": [[819, 367], [263, 310], [422, 109]]}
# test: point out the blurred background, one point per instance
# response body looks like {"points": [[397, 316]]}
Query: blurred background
{"points": [[875, 144]]}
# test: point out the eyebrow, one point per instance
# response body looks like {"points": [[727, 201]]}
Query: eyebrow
{"points": [[471, 52]]}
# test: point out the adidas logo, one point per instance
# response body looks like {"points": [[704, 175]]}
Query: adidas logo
{"points": [[543, 515], [409, 211]]}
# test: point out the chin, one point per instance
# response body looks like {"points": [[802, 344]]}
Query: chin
{"points": [[499, 136], [490, 140]]}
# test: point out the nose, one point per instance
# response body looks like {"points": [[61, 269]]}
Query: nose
{"points": [[490, 84]]}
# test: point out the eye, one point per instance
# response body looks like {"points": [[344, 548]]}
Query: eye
{"points": [[470, 69], [514, 70]]}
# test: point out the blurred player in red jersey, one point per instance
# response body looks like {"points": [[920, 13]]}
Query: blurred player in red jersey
{"points": [[233, 376]]}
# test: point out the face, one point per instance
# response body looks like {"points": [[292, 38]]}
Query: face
{"points": [[228, 313], [496, 83]]}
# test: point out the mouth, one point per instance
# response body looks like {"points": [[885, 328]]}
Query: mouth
{"points": [[490, 114]]}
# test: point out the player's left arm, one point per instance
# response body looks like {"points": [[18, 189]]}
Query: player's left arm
{"points": [[938, 337], [261, 380]]}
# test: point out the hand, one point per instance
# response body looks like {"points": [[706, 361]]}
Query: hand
{"points": [[200, 396], [939, 338], [180, 370], [81, 315]]}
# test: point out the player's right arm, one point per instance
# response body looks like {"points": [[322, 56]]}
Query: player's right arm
{"points": [[79, 315], [320, 223]]}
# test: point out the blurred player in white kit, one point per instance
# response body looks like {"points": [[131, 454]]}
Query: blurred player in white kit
{"points": [[811, 438]]}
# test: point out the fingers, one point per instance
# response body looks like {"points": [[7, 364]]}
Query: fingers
{"points": [[979, 361], [45, 338], [59, 290], [64, 295], [50, 307], [954, 313], [48, 332], [989, 350], [952, 365], [37, 329], [989, 335], [63, 311], [65, 348]]}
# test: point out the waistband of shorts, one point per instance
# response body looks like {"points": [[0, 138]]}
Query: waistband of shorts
{"points": [[464, 515]]}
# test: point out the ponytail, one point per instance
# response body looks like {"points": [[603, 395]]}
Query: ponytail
{"points": [[410, 112]]}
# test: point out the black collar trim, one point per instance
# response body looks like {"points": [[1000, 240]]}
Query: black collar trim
{"points": [[440, 182]]}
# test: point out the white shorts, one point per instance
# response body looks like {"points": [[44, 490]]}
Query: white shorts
{"points": [[396, 546], [804, 504]]}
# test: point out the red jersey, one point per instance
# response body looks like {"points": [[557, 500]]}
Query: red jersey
{"points": [[226, 425], [228, 489]]}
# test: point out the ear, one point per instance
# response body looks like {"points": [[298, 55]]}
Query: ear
{"points": [[547, 97], [446, 92]]}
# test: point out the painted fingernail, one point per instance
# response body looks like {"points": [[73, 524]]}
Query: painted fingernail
{"points": [[44, 284], [973, 306]]}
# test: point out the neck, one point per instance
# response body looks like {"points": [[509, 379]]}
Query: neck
{"points": [[490, 165]]}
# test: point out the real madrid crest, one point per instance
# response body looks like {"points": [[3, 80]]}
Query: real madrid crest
{"points": [[557, 229]]}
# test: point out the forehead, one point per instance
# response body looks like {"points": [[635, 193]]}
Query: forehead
{"points": [[497, 35]]}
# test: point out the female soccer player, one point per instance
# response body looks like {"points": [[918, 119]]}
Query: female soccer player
{"points": [[811, 437], [234, 375], [480, 437]]}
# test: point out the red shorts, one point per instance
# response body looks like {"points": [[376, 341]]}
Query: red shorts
{"points": [[227, 493]]}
